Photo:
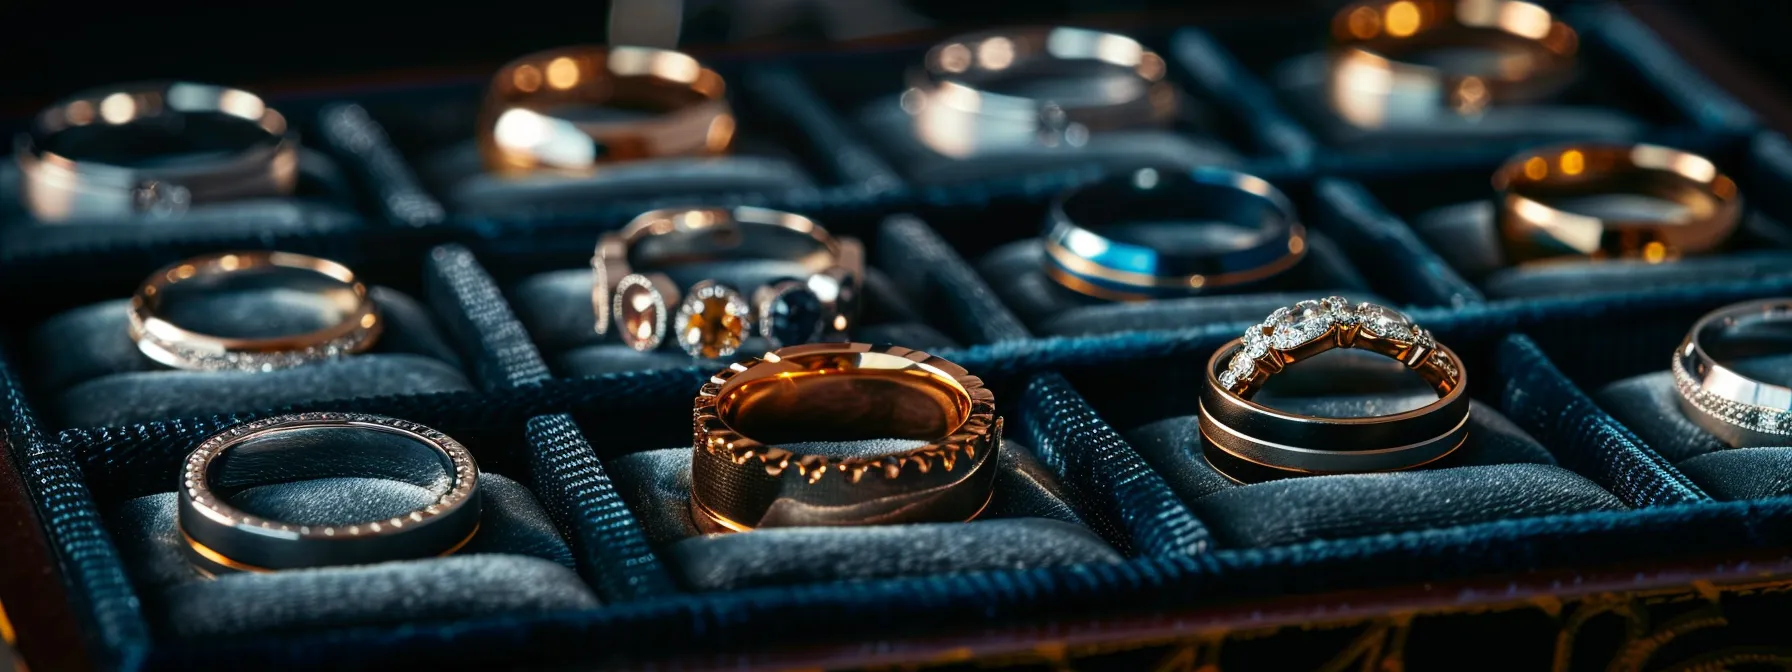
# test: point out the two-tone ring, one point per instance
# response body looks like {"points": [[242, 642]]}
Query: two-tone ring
{"points": [[66, 156], [713, 319], [742, 479], [1738, 410], [1088, 249], [958, 108], [158, 320], [1380, 76], [221, 537], [1250, 438], [1707, 209], [521, 129]]}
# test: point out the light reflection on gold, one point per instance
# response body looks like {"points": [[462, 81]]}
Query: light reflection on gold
{"points": [[1471, 95], [721, 132], [996, 53], [367, 321], [1535, 168], [80, 113], [1573, 162], [118, 108], [563, 73], [1363, 23], [526, 79], [839, 323], [241, 104], [1655, 252], [1525, 20], [1402, 19], [519, 129], [955, 58], [229, 262], [1151, 66]]}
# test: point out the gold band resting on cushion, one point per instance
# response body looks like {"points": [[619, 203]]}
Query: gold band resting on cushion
{"points": [[940, 419], [521, 130], [1705, 204]]}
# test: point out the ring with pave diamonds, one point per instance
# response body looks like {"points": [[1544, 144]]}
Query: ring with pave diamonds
{"points": [[347, 323], [713, 319], [239, 148], [959, 106], [1739, 410], [1285, 444], [220, 537], [1243, 229], [920, 433]]}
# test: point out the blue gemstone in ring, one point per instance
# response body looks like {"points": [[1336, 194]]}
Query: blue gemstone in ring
{"points": [[789, 313]]}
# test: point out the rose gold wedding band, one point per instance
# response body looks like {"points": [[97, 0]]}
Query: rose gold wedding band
{"points": [[161, 339], [520, 129], [1376, 79], [1532, 227], [59, 187], [742, 480]]}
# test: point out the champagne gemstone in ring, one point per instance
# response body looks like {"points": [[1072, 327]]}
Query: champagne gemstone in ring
{"points": [[712, 321], [640, 310]]}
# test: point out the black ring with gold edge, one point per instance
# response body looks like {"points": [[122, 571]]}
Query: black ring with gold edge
{"points": [[1396, 62], [1277, 444], [1097, 242], [741, 479], [219, 537], [528, 125], [1703, 205]]}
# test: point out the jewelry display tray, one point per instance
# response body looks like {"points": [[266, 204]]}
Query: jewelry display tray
{"points": [[1566, 539]]}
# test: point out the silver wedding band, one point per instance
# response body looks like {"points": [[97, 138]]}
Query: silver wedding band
{"points": [[58, 187], [1740, 411]]}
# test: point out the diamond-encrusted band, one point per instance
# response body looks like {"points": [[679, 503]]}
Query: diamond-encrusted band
{"points": [[1281, 444], [1740, 411], [159, 338], [713, 320], [221, 537], [932, 425]]}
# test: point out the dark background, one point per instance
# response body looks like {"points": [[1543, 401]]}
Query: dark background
{"points": [[55, 48]]}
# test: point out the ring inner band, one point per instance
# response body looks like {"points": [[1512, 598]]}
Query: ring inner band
{"points": [[842, 401]]}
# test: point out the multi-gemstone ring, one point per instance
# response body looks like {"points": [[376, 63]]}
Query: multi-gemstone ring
{"points": [[1249, 438], [632, 291]]}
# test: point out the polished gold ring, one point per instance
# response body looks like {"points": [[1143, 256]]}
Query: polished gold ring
{"points": [[159, 336], [741, 479], [1380, 73], [521, 129], [1533, 226]]}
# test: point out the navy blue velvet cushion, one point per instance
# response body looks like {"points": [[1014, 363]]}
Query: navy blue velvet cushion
{"points": [[86, 359], [1650, 406], [1500, 472], [555, 307], [1027, 524], [1467, 237], [516, 563]]}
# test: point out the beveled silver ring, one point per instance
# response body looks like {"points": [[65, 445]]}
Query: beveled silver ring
{"points": [[1740, 411], [262, 160], [709, 319], [958, 110], [223, 538]]}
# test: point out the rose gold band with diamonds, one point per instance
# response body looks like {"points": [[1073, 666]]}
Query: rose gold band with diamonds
{"points": [[58, 188], [714, 319], [222, 538], [1740, 411], [942, 417], [175, 346], [1274, 443]]}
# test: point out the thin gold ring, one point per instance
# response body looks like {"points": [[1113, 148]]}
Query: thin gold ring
{"points": [[173, 345]]}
